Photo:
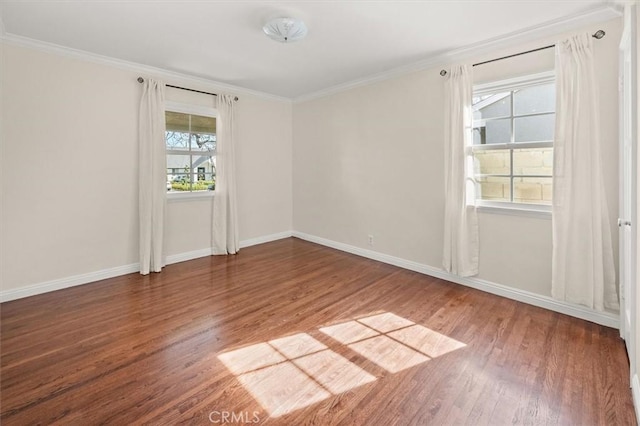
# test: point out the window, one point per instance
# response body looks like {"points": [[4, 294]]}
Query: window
{"points": [[513, 127], [191, 149]]}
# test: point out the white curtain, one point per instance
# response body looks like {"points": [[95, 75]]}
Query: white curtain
{"points": [[225, 221], [460, 254], [152, 175], [583, 266]]}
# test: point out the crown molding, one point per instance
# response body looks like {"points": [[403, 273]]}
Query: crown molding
{"points": [[612, 9], [145, 70], [596, 15]]}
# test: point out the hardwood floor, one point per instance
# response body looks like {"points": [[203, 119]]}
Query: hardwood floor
{"points": [[289, 333]]}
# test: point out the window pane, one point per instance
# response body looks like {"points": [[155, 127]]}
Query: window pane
{"points": [[492, 162], [479, 136], [533, 161], [201, 124], [177, 140], [535, 99], [497, 131], [203, 142], [494, 188], [532, 190], [203, 182], [536, 128], [203, 167], [176, 121], [178, 172], [492, 106]]}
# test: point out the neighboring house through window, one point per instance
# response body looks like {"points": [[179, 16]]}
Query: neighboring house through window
{"points": [[191, 148], [513, 127]]}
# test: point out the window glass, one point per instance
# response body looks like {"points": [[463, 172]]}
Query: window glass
{"points": [[177, 121], [519, 167], [497, 131], [204, 171], [494, 188], [531, 190], [479, 135], [535, 99], [534, 128], [191, 145], [177, 140], [493, 106], [203, 142], [492, 162], [533, 161]]}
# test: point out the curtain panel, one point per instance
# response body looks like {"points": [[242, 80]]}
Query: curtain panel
{"points": [[583, 270], [152, 176], [225, 221], [460, 254]]}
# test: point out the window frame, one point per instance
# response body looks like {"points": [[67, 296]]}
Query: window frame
{"points": [[511, 84], [192, 110]]}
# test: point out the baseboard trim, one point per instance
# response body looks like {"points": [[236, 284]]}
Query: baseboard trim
{"points": [[602, 318], [61, 283], [265, 239], [75, 280], [635, 392], [577, 311], [189, 255]]}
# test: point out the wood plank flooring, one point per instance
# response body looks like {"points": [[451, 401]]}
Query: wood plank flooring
{"points": [[294, 333]]}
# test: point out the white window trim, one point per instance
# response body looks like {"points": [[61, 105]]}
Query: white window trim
{"points": [[193, 110], [189, 195], [515, 83], [515, 209], [508, 208]]}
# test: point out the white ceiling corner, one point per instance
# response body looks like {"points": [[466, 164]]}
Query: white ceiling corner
{"points": [[144, 70], [593, 16], [350, 43]]}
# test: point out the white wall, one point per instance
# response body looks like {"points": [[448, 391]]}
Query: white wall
{"points": [[69, 169], [263, 154], [370, 161], [362, 165]]}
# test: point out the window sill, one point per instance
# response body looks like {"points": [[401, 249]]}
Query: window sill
{"points": [[538, 212], [184, 196]]}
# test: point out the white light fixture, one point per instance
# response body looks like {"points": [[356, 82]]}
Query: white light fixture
{"points": [[285, 29]]}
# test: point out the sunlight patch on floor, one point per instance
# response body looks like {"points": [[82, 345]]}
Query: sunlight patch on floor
{"points": [[334, 372], [283, 388], [293, 372], [390, 341], [388, 354], [297, 345], [349, 332], [429, 342], [385, 322], [251, 358]]}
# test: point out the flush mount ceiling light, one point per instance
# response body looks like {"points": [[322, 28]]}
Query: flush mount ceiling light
{"points": [[285, 29]]}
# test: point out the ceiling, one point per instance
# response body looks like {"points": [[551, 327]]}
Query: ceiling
{"points": [[223, 40]]}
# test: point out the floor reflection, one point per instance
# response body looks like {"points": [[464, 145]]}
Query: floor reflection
{"points": [[293, 372], [388, 354], [349, 332], [283, 388]]}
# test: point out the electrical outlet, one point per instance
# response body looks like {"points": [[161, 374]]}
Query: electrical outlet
{"points": [[370, 240]]}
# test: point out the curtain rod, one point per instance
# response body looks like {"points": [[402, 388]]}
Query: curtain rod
{"points": [[141, 80], [598, 35]]}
